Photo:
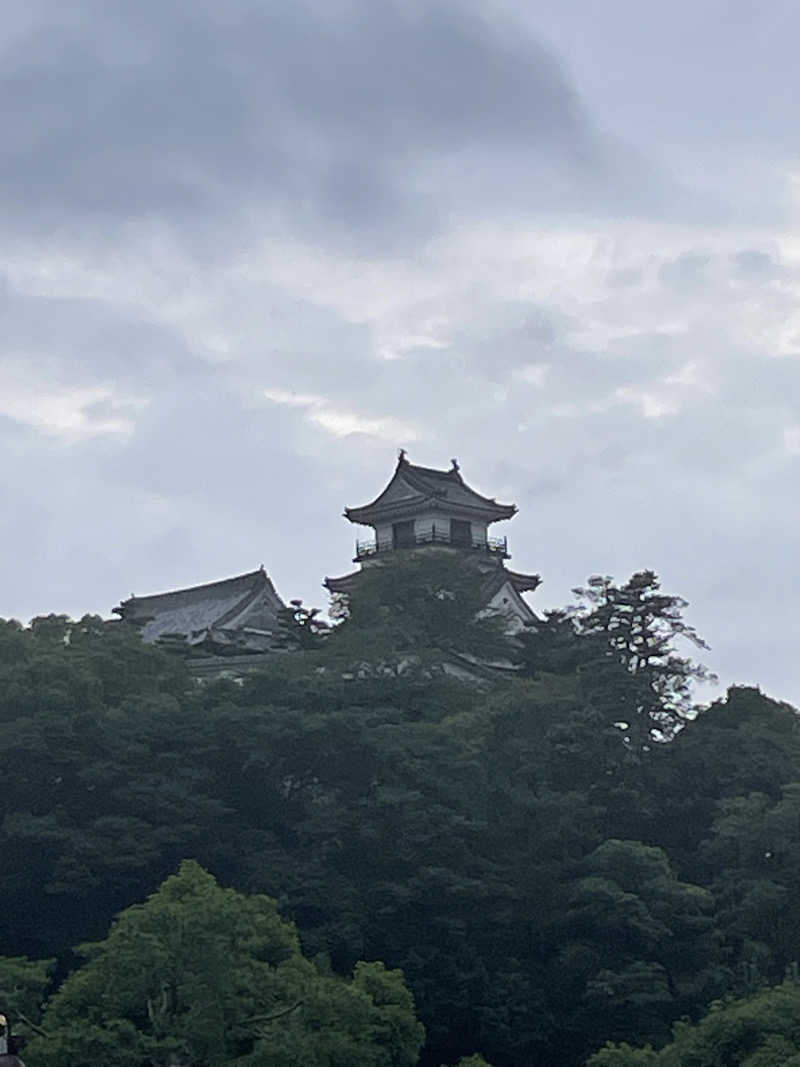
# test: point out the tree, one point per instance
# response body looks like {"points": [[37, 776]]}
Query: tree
{"points": [[624, 1055], [427, 605], [545, 879], [636, 626], [762, 1030], [755, 856], [744, 743], [301, 628], [638, 944], [207, 976], [367, 1023], [98, 801], [553, 646], [23, 984]]}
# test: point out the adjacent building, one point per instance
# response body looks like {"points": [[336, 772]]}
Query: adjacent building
{"points": [[238, 616]]}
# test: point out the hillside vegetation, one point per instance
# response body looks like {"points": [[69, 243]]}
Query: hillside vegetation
{"points": [[545, 861]]}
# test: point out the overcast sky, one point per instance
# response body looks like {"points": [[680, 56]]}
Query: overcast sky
{"points": [[249, 249]]}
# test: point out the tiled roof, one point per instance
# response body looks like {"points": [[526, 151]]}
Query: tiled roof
{"points": [[412, 486], [240, 611]]}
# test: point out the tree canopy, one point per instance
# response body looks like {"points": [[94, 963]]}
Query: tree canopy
{"points": [[207, 976], [762, 1030], [558, 854]]}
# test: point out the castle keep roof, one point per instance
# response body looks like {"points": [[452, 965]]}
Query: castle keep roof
{"points": [[415, 489], [240, 614]]}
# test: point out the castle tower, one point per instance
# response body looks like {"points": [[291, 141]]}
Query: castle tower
{"points": [[422, 509]]}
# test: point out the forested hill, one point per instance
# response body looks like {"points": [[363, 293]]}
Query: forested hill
{"points": [[555, 857]]}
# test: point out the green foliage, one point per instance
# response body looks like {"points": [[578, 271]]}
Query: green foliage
{"points": [[756, 854], [214, 976], [23, 984], [634, 628], [369, 1023], [639, 941], [546, 880], [624, 1055], [186, 970], [762, 1030], [742, 744], [426, 605], [302, 629]]}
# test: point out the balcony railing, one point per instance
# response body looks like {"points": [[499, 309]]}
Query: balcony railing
{"points": [[495, 546]]}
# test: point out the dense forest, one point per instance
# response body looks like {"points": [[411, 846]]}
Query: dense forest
{"points": [[410, 839]]}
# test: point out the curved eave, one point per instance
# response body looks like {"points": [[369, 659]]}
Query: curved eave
{"points": [[355, 514], [340, 585], [416, 477], [429, 491], [523, 583], [369, 513]]}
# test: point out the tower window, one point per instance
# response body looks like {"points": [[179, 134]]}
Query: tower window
{"points": [[403, 534], [461, 533]]}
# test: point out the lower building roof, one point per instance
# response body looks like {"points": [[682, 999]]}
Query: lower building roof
{"points": [[240, 611]]}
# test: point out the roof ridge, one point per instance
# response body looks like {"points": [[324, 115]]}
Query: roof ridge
{"points": [[453, 474], [205, 586], [417, 481], [431, 484], [431, 470]]}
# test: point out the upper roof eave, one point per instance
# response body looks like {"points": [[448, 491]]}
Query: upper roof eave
{"points": [[431, 486], [336, 585], [523, 583], [368, 515]]}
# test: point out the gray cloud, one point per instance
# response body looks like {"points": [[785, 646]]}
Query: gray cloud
{"points": [[251, 249], [374, 123]]}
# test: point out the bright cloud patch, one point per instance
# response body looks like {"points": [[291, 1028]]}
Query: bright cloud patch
{"points": [[343, 423], [65, 412]]}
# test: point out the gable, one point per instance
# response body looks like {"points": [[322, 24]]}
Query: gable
{"points": [[510, 604]]}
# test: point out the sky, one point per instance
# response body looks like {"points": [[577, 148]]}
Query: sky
{"points": [[248, 250]]}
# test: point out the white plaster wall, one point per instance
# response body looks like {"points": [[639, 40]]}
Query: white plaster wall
{"points": [[423, 526], [508, 602]]}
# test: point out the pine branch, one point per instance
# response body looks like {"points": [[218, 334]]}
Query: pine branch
{"points": [[275, 1015]]}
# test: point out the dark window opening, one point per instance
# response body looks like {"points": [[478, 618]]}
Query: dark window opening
{"points": [[461, 533], [403, 534]]}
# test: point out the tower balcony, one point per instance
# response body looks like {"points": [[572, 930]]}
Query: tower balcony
{"points": [[493, 546]]}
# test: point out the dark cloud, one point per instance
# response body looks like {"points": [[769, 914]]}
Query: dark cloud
{"points": [[754, 263], [365, 122], [82, 340], [252, 248]]}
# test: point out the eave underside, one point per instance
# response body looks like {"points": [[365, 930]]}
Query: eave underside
{"points": [[344, 584], [523, 583]]}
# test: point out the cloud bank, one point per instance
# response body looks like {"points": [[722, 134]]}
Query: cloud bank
{"points": [[248, 250]]}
